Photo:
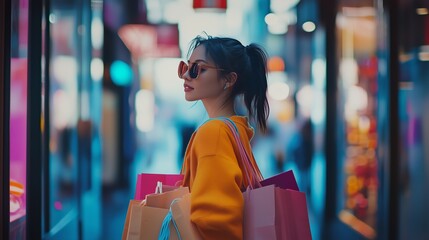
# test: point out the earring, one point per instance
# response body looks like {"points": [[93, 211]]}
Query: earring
{"points": [[225, 87]]}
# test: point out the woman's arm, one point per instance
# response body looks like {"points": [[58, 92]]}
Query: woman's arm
{"points": [[217, 201]]}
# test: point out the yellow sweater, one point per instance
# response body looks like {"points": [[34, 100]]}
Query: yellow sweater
{"points": [[215, 179]]}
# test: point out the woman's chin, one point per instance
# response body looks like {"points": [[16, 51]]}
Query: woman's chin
{"points": [[190, 98]]}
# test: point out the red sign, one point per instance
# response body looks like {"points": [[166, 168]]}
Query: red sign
{"points": [[151, 40], [212, 4]]}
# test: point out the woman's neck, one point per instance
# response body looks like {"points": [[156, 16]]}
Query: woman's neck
{"points": [[220, 110]]}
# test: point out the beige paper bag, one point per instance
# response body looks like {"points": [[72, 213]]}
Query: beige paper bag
{"points": [[144, 218], [145, 223], [163, 200], [181, 212], [127, 218]]}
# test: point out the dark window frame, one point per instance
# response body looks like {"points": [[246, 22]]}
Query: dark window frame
{"points": [[34, 108], [5, 25]]}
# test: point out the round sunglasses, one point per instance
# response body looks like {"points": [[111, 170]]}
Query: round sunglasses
{"points": [[194, 69]]}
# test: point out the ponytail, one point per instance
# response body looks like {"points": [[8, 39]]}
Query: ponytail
{"points": [[255, 91]]}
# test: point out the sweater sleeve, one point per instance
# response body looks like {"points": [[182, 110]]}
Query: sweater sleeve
{"points": [[217, 201]]}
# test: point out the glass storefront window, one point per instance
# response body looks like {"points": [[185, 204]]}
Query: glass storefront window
{"points": [[64, 113], [18, 117], [413, 100], [74, 99], [357, 109]]}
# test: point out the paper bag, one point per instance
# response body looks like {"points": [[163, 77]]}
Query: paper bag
{"points": [[181, 213], [127, 218], [295, 215], [285, 180], [145, 223], [144, 218], [164, 200], [274, 213]]}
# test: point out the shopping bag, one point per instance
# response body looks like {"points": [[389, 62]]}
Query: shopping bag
{"points": [[128, 216], [146, 182], [285, 180], [144, 218], [273, 208], [260, 216], [179, 216], [294, 215], [146, 222], [164, 199], [271, 212]]}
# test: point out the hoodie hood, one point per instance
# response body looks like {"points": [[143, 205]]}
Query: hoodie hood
{"points": [[243, 121]]}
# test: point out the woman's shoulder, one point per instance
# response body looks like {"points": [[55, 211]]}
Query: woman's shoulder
{"points": [[209, 136], [211, 128], [215, 136]]}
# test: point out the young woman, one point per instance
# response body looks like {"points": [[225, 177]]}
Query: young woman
{"points": [[219, 70]]}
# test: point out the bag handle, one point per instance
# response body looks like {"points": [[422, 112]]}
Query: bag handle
{"points": [[158, 188], [250, 171], [164, 232]]}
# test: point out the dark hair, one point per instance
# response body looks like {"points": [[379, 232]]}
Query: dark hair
{"points": [[250, 65]]}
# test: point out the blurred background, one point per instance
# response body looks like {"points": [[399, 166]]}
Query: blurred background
{"points": [[90, 98]]}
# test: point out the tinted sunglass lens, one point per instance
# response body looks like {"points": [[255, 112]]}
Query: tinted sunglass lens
{"points": [[194, 70], [182, 69]]}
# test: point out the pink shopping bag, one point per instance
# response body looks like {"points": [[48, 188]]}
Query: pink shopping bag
{"points": [[274, 213], [147, 181], [271, 209]]}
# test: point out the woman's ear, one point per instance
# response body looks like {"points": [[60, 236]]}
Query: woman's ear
{"points": [[230, 79]]}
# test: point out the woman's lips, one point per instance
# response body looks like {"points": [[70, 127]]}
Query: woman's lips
{"points": [[187, 88]]}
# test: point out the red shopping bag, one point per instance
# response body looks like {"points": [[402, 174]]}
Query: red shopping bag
{"points": [[294, 215], [147, 181]]}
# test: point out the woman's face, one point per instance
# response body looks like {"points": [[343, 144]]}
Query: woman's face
{"points": [[207, 84]]}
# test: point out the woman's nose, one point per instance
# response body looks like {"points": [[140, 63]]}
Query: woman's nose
{"points": [[185, 75]]}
